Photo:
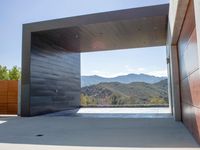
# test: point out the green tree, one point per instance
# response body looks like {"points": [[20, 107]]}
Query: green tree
{"points": [[114, 99], [4, 73], [14, 73], [88, 101]]}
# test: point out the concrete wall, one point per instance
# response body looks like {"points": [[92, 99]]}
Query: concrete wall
{"points": [[177, 11], [173, 73], [54, 77], [174, 82]]}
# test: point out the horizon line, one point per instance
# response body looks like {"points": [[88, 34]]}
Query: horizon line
{"points": [[124, 75]]}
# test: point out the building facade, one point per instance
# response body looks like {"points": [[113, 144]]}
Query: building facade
{"points": [[51, 55]]}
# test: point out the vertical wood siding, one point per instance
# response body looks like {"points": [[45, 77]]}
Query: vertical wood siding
{"points": [[8, 96]]}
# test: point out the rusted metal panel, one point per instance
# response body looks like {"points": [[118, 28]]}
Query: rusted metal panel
{"points": [[190, 74]]}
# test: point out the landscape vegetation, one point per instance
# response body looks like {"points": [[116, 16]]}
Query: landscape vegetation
{"points": [[128, 90]]}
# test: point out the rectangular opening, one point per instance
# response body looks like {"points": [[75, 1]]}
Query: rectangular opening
{"points": [[51, 52], [125, 78]]}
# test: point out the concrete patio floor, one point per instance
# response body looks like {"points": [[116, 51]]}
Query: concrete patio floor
{"points": [[83, 132]]}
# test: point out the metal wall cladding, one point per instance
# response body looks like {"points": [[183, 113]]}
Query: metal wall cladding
{"points": [[54, 78], [190, 74]]}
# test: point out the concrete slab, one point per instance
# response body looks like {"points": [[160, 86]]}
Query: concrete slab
{"points": [[48, 147], [65, 132], [133, 110], [104, 112]]}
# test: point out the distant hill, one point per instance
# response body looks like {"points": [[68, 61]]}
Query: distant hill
{"points": [[135, 93], [92, 80]]}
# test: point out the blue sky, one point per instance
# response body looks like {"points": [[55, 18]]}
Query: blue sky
{"points": [[14, 13], [150, 61]]}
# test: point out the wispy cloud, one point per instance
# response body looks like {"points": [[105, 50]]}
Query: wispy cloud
{"points": [[134, 70], [104, 73], [158, 73], [128, 70]]}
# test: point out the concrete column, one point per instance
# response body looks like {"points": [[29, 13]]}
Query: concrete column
{"points": [[175, 84], [25, 80], [169, 79]]}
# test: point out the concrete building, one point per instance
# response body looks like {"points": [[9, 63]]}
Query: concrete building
{"points": [[51, 55]]}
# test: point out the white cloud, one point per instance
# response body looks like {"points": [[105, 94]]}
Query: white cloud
{"points": [[158, 73], [134, 70], [127, 70], [106, 73]]}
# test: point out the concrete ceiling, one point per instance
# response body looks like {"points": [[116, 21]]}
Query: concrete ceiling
{"points": [[132, 28]]}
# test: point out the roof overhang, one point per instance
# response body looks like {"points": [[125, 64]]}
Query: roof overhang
{"points": [[122, 29]]}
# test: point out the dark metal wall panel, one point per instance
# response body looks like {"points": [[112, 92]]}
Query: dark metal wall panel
{"points": [[25, 80], [54, 78]]}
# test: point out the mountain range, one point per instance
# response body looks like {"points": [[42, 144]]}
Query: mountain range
{"points": [[92, 80], [125, 94]]}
